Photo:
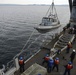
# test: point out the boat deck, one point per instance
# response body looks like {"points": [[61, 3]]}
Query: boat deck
{"points": [[39, 58]]}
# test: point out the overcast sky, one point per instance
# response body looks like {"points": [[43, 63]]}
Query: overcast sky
{"points": [[59, 2]]}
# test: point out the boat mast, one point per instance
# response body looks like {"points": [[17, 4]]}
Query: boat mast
{"points": [[52, 6]]}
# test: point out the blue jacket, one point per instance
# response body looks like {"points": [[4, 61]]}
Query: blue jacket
{"points": [[50, 63]]}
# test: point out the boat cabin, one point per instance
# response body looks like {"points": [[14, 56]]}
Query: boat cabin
{"points": [[47, 21]]}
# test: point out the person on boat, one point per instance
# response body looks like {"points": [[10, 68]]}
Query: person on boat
{"points": [[56, 63], [46, 58], [50, 65], [21, 64], [72, 56], [68, 67], [69, 45]]}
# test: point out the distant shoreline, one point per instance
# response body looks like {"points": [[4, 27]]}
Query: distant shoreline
{"points": [[28, 5]]}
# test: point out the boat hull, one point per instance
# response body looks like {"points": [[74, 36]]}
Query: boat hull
{"points": [[45, 29]]}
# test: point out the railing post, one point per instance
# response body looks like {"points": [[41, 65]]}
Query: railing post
{"points": [[16, 63], [1, 72]]}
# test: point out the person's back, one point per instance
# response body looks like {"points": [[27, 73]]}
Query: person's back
{"points": [[69, 45], [21, 64], [46, 58], [56, 63], [50, 65], [68, 67]]}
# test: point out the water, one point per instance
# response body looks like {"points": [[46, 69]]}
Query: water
{"points": [[16, 25]]}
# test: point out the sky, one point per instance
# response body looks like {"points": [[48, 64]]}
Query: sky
{"points": [[58, 2]]}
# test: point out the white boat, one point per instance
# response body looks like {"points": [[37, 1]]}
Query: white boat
{"points": [[49, 22]]}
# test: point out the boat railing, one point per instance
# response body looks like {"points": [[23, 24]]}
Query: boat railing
{"points": [[9, 65], [12, 63]]}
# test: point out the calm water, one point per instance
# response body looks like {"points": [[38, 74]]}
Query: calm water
{"points": [[16, 25]]}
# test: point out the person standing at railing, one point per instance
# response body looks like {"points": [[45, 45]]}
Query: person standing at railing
{"points": [[69, 45], [68, 67], [56, 63], [21, 64], [50, 65], [46, 59]]}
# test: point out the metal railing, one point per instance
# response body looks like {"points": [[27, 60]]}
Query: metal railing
{"points": [[31, 49]]}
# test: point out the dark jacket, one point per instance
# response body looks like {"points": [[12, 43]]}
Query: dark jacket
{"points": [[72, 55]]}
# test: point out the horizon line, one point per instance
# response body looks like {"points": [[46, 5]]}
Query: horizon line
{"points": [[32, 4]]}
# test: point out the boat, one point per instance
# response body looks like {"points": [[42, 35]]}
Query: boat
{"points": [[33, 66], [50, 21]]}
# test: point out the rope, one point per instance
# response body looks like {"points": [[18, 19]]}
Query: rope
{"points": [[50, 7], [48, 10], [33, 41], [22, 48], [56, 13], [30, 44], [28, 40], [25, 44]]}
